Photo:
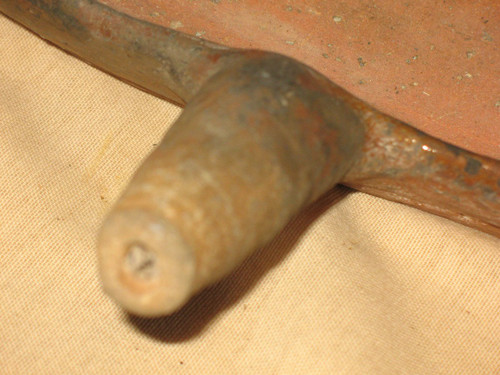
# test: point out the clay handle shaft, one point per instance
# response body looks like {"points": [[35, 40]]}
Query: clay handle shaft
{"points": [[255, 145]]}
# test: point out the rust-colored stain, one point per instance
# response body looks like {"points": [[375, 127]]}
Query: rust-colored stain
{"points": [[262, 135]]}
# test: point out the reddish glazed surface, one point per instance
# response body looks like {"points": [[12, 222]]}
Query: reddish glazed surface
{"points": [[434, 65]]}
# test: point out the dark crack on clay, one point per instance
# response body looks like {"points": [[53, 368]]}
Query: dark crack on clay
{"points": [[141, 262]]}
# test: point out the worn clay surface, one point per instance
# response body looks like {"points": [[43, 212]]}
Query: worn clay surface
{"points": [[432, 64]]}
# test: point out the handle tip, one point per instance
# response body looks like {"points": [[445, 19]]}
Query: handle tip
{"points": [[145, 265]]}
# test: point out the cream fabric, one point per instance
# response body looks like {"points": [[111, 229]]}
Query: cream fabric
{"points": [[355, 285]]}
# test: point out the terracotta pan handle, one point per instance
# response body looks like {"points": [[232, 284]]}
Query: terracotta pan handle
{"points": [[261, 136]]}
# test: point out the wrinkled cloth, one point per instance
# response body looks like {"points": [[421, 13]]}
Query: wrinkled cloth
{"points": [[353, 285]]}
